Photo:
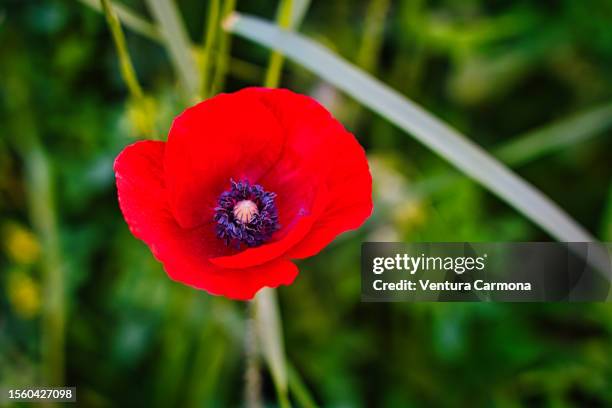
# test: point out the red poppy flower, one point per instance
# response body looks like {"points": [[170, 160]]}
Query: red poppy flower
{"points": [[245, 183]]}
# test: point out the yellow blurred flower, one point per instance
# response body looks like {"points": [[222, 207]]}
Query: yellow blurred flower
{"points": [[20, 244], [23, 294], [404, 210], [410, 214], [141, 114]]}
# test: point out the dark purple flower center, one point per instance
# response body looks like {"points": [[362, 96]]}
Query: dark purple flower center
{"points": [[246, 214]]}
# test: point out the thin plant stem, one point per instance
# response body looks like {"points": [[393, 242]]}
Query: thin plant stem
{"points": [[370, 48], [372, 38], [298, 389], [239, 68], [127, 68], [223, 52], [173, 357], [40, 200], [252, 374], [128, 73], [130, 18], [275, 64], [212, 347], [212, 24], [270, 335], [42, 212]]}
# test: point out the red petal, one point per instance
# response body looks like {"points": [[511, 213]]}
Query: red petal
{"points": [[350, 199], [329, 152], [228, 136], [320, 160], [184, 252]]}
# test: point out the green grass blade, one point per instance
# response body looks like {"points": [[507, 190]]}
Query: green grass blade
{"points": [[554, 137], [244, 70], [438, 136], [40, 202], [177, 43], [368, 52], [39, 175], [298, 12], [298, 389], [129, 18], [534, 144], [372, 37], [128, 73], [127, 68]]}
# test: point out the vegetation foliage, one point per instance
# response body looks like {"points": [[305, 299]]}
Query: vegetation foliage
{"points": [[83, 303]]}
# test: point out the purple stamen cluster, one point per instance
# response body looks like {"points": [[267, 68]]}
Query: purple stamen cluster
{"points": [[253, 230]]}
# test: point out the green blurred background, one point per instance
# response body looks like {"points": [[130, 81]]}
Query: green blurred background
{"points": [[531, 81]]}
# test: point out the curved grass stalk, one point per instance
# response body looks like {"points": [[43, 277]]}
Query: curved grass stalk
{"points": [[127, 68], [372, 37], [298, 389], [547, 139], [371, 43], [43, 214], [429, 130], [129, 18], [177, 43], [24, 135], [242, 69], [564, 133]]}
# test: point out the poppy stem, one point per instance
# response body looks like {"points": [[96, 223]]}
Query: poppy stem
{"points": [[252, 376], [270, 336]]}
